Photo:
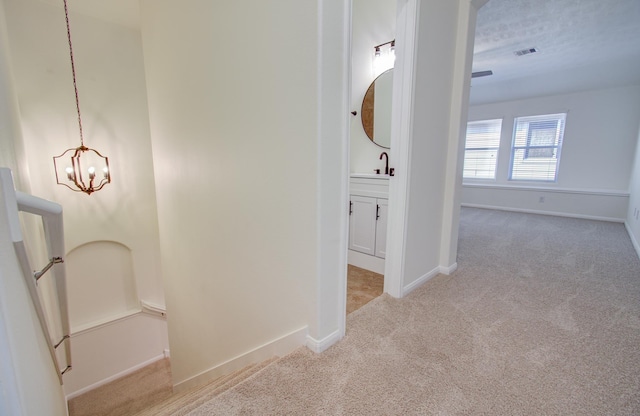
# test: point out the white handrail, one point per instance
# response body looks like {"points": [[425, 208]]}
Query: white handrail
{"points": [[52, 221]]}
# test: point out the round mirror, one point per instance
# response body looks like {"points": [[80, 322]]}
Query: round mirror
{"points": [[376, 110]]}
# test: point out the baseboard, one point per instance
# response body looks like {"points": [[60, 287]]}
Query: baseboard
{"points": [[539, 212], [365, 261], [153, 309], [420, 281], [276, 348], [319, 346], [635, 243], [115, 377], [448, 269]]}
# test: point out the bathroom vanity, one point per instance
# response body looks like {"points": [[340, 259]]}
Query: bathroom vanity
{"points": [[369, 195]]}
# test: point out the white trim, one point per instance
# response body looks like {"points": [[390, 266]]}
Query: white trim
{"points": [[121, 374], [420, 281], [369, 176], [95, 325], [278, 347], [372, 187], [552, 213], [329, 309], [635, 243], [458, 115], [319, 346], [319, 304], [366, 261], [153, 308], [401, 132], [594, 192], [345, 169], [449, 269], [113, 319]]}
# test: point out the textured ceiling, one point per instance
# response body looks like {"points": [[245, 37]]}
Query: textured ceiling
{"points": [[582, 43], [579, 41]]}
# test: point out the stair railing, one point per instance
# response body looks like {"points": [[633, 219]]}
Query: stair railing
{"points": [[52, 222]]}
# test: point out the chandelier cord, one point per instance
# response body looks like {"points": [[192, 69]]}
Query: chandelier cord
{"points": [[73, 72]]}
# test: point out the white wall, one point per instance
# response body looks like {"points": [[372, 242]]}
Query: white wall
{"points": [[633, 213], [11, 143], [123, 345], [29, 384], [438, 106], [430, 102], [233, 100], [327, 310], [373, 23], [596, 159], [110, 75]]}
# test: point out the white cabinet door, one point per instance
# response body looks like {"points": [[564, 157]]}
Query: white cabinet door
{"points": [[368, 225], [381, 228], [362, 224]]}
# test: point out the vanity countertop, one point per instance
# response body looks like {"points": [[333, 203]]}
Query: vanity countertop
{"points": [[369, 184], [369, 176]]}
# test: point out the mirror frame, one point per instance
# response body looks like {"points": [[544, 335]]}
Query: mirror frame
{"points": [[367, 110]]}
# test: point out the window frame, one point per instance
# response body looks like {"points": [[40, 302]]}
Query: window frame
{"points": [[500, 122], [555, 147]]}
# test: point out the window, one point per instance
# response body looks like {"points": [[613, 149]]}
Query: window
{"points": [[481, 149], [535, 153]]}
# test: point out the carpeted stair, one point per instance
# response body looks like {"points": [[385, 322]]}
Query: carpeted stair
{"points": [[182, 403]]}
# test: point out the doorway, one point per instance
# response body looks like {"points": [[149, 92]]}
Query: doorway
{"points": [[373, 32], [421, 246]]}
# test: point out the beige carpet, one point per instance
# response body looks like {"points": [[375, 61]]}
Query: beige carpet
{"points": [[542, 317], [148, 392], [126, 395]]}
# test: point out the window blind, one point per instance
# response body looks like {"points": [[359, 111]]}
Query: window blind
{"points": [[481, 149], [535, 152]]}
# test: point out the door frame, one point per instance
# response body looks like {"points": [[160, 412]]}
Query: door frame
{"points": [[401, 129], [329, 311]]}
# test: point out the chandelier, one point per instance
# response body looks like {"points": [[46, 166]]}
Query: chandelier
{"points": [[80, 169]]}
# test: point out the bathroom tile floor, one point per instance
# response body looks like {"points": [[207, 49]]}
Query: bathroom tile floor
{"points": [[362, 287]]}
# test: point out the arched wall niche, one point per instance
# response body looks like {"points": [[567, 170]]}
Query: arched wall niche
{"points": [[100, 283]]}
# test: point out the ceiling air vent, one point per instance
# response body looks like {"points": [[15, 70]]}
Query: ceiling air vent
{"points": [[481, 74], [527, 51]]}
